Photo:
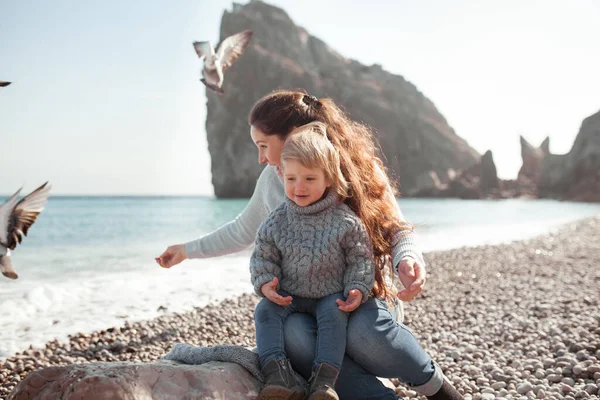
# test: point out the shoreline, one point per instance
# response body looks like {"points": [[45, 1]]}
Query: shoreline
{"points": [[518, 317], [84, 286]]}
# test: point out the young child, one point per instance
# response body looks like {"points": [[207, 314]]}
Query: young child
{"points": [[309, 254]]}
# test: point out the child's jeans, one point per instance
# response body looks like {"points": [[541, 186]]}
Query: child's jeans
{"points": [[331, 328]]}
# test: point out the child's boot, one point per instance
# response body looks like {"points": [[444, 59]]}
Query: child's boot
{"points": [[446, 392], [322, 383], [280, 382]]}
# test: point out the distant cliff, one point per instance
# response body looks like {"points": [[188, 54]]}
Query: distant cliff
{"points": [[414, 136], [575, 175]]}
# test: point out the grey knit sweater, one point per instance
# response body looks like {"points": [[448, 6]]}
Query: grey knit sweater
{"points": [[314, 251]]}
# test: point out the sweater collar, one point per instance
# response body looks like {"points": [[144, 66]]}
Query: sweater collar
{"points": [[328, 201]]}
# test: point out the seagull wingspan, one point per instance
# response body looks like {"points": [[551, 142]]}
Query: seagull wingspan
{"points": [[204, 49], [25, 214], [233, 47], [6, 210], [4, 83]]}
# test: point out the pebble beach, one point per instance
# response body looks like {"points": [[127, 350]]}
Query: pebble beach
{"points": [[513, 321]]}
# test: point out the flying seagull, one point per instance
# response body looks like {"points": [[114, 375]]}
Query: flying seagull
{"points": [[216, 63], [15, 219], [4, 83]]}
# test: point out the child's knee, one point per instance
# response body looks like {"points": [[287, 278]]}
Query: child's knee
{"points": [[331, 300], [329, 310], [265, 309]]}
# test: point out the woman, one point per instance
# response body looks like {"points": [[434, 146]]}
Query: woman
{"points": [[377, 344]]}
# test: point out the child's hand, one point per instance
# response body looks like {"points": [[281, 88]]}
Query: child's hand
{"points": [[269, 290], [352, 302]]}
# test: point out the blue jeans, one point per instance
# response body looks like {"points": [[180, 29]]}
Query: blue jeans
{"points": [[331, 323], [377, 345]]}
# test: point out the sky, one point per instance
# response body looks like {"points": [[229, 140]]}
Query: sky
{"points": [[106, 98]]}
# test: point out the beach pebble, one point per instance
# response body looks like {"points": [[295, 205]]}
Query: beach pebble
{"points": [[523, 388], [593, 368], [554, 378], [591, 388]]}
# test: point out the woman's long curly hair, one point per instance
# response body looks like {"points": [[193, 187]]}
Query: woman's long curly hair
{"points": [[371, 195]]}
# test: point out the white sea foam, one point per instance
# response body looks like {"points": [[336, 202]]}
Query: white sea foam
{"points": [[35, 312]]}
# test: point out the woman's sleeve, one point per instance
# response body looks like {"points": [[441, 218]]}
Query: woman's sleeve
{"points": [[407, 246], [407, 241], [240, 233]]}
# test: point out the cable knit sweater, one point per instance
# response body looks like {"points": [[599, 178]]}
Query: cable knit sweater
{"points": [[314, 251]]}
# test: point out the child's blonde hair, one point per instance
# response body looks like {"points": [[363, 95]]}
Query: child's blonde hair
{"points": [[309, 145]]}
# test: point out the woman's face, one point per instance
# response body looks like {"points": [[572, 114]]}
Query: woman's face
{"points": [[269, 147]]}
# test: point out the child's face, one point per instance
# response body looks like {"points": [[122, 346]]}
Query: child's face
{"points": [[303, 186]]}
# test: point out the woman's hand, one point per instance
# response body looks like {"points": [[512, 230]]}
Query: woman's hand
{"points": [[412, 275], [173, 255], [269, 290], [352, 302]]}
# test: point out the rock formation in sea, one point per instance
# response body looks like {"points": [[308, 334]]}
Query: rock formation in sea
{"points": [[532, 159], [414, 135], [575, 175]]}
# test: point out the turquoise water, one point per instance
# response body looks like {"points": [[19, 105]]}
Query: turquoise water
{"points": [[79, 223], [88, 262]]}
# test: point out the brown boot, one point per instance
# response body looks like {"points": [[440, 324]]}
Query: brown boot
{"points": [[446, 392], [322, 383], [280, 382]]}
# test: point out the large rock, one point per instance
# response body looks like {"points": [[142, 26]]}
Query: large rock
{"points": [[414, 136], [164, 380], [488, 176], [476, 182], [575, 175], [545, 146], [532, 161]]}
